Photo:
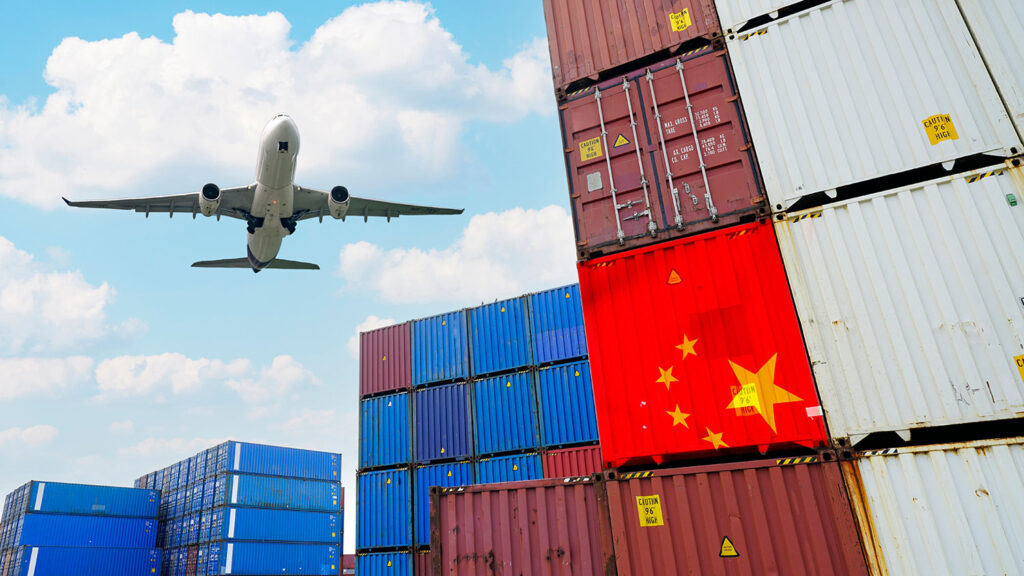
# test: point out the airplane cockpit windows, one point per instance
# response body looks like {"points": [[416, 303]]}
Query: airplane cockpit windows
{"points": [[282, 146]]}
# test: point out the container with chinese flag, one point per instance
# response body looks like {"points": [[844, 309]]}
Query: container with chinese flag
{"points": [[695, 349]]}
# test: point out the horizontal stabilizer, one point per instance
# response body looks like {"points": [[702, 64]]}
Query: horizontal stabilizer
{"points": [[244, 263]]}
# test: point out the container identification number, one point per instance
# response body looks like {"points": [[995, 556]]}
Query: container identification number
{"points": [[649, 509]]}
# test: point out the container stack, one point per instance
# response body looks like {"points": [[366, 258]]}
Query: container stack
{"points": [[252, 510], [496, 393], [54, 529]]}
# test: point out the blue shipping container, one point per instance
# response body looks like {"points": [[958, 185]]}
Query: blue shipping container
{"points": [[61, 498], [260, 558], [556, 318], [509, 469], [384, 564], [242, 490], [499, 337], [440, 349], [384, 435], [92, 531], [274, 461], [442, 423], [384, 514], [505, 408], [267, 524], [567, 413], [446, 475], [63, 561]]}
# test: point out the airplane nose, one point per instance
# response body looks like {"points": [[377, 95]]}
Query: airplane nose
{"points": [[282, 129]]}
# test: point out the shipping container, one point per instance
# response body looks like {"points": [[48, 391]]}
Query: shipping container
{"points": [[734, 14], [505, 410], [944, 509], [384, 564], [590, 39], [384, 513], [442, 425], [87, 531], [247, 490], [538, 527], [385, 360], [63, 561], [788, 516], [274, 461], [996, 26], [384, 431], [695, 348], [571, 462], [263, 558], [61, 498], [910, 302], [421, 563], [440, 349], [566, 399], [556, 322], [638, 171], [847, 92], [449, 474], [515, 468], [499, 337], [271, 525]]}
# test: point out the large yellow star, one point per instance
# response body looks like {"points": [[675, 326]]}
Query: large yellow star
{"points": [[758, 391], [666, 377], [678, 417], [687, 346], [715, 439]]}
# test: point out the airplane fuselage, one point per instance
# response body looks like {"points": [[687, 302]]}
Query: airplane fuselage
{"points": [[273, 200]]}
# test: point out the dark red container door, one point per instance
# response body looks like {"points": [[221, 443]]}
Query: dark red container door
{"points": [[190, 566], [695, 349], [385, 361]]}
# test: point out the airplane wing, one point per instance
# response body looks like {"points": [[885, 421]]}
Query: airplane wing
{"points": [[234, 202], [311, 203]]}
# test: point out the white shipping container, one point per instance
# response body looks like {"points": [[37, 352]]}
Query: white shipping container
{"points": [[854, 90], [911, 303], [998, 29], [953, 509], [733, 14]]}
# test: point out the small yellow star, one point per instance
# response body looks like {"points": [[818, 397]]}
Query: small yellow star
{"points": [[678, 417], [687, 346], [715, 439], [666, 377]]}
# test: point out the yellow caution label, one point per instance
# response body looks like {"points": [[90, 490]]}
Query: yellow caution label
{"points": [[1020, 365], [674, 277], [502, 308], [449, 473], [384, 358], [680, 20], [567, 295], [442, 450], [620, 141], [389, 563], [577, 373], [515, 467], [508, 384], [649, 509], [728, 549], [389, 481], [940, 128], [590, 149]]}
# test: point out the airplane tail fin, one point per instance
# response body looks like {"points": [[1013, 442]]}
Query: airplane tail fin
{"points": [[244, 263]]}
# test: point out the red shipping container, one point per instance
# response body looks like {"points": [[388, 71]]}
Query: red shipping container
{"points": [[385, 360], [193, 556], [421, 563], [569, 462], [620, 137], [695, 349], [587, 38]]}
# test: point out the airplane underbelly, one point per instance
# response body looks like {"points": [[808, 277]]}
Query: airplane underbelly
{"points": [[263, 247], [273, 203]]}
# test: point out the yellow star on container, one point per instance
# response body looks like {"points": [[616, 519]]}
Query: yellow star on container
{"points": [[758, 391], [687, 346], [715, 439], [666, 377], [678, 417]]}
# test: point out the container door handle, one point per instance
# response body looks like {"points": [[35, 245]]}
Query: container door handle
{"points": [[664, 153], [651, 226], [712, 211]]}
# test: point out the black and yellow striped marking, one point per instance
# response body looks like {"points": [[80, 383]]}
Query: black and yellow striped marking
{"points": [[603, 264], [977, 177], [806, 216], [885, 452], [635, 475], [746, 37], [695, 51], [793, 461], [578, 92]]}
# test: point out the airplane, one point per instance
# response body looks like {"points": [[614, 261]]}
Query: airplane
{"points": [[271, 206]]}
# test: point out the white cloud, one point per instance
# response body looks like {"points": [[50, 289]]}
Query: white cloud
{"points": [[172, 447], [381, 82], [371, 323], [170, 372], [283, 374], [31, 436], [23, 377], [122, 427], [499, 255], [314, 421]]}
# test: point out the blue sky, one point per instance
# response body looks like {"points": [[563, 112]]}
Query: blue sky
{"points": [[116, 358]]}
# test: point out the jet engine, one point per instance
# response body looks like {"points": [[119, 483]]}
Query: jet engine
{"points": [[337, 201], [209, 200]]}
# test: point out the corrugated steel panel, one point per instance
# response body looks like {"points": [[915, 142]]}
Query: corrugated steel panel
{"points": [[505, 409], [384, 514], [257, 558], [733, 14], [996, 26], [556, 321], [92, 531], [64, 498], [421, 563], [638, 171], [499, 337], [450, 474], [858, 89], [440, 348], [711, 360], [910, 305], [515, 468], [746, 518], [384, 434], [384, 564], [569, 462], [385, 359], [946, 509], [589, 37], [59, 561], [270, 525], [272, 492], [442, 428], [539, 527], [273, 461], [566, 404]]}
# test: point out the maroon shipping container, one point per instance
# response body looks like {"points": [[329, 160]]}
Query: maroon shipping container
{"points": [[421, 563], [787, 516], [536, 527], [193, 556], [589, 38], [348, 564], [570, 462], [385, 360], [620, 137]]}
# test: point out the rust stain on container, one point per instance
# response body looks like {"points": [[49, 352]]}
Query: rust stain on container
{"points": [[385, 360]]}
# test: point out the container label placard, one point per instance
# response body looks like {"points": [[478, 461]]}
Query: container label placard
{"points": [[680, 20], [940, 128], [1019, 360], [728, 549], [590, 149], [649, 508]]}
